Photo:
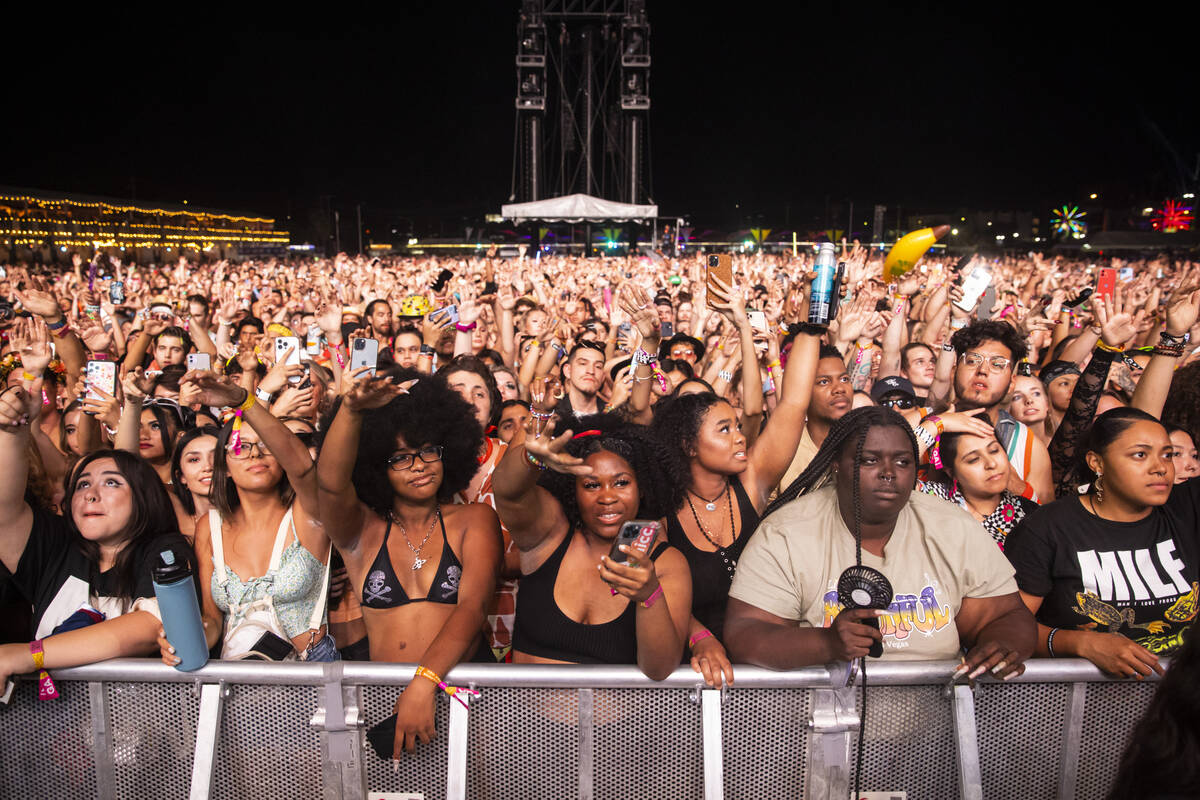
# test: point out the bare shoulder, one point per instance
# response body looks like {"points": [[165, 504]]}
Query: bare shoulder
{"points": [[470, 516]]}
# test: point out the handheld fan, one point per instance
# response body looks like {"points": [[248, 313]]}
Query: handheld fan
{"points": [[863, 587]]}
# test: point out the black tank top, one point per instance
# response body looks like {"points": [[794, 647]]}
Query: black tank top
{"points": [[542, 629], [712, 572]]}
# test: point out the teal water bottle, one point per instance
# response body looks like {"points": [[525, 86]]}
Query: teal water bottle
{"points": [[180, 611]]}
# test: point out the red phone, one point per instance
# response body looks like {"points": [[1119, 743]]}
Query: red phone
{"points": [[1106, 284]]}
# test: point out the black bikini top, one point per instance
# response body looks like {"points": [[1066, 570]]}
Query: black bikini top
{"points": [[382, 589]]}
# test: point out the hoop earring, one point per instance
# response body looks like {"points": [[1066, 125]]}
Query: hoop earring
{"points": [[1099, 489]]}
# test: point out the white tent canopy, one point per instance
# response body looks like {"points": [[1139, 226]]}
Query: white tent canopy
{"points": [[576, 208]]}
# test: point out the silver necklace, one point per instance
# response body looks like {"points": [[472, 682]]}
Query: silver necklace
{"points": [[418, 562], [710, 505]]}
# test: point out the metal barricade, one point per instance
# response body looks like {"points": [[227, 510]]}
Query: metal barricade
{"points": [[134, 728]]}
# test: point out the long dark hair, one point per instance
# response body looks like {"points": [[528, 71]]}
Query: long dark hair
{"points": [[182, 492], [1162, 757], [676, 426], [169, 417], [851, 428], [222, 493], [151, 517]]}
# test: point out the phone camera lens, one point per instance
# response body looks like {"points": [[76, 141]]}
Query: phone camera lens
{"points": [[713, 261], [359, 344]]}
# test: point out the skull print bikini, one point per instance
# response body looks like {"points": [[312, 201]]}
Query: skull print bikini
{"points": [[382, 589]]}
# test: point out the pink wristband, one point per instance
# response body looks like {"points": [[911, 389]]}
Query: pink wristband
{"points": [[698, 636], [653, 598]]}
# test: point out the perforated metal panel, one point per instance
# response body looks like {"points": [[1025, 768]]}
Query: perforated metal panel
{"points": [[267, 749], [46, 747], [765, 742], [1112, 710], [909, 744], [1021, 728], [425, 770], [154, 737], [647, 745], [524, 743]]}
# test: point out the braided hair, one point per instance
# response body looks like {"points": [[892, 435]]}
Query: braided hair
{"points": [[633, 443], [851, 427]]}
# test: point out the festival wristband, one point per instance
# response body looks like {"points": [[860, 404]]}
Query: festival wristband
{"points": [[46, 688], [698, 636], [653, 598], [453, 691]]}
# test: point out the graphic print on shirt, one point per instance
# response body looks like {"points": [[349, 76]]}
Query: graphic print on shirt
{"points": [[1117, 584], [924, 613]]}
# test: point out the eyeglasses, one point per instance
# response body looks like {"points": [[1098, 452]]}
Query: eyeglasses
{"points": [[402, 461], [243, 452], [995, 363], [904, 403]]}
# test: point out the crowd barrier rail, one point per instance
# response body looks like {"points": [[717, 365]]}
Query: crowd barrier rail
{"points": [[135, 728]]}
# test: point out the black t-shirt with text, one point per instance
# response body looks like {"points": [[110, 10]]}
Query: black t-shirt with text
{"points": [[1138, 578], [57, 580]]}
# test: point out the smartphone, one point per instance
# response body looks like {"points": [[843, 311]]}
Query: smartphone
{"points": [[199, 361], [974, 286], [363, 353], [638, 534], [835, 297], [282, 345], [116, 292], [101, 375], [758, 320], [1084, 294], [668, 330], [720, 265], [987, 302], [624, 329], [1126, 274], [1106, 284], [449, 312]]}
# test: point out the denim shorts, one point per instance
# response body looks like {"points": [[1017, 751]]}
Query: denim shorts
{"points": [[324, 650]]}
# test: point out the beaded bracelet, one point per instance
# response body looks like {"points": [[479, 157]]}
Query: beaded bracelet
{"points": [[532, 459]]}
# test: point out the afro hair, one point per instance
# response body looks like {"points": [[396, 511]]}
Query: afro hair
{"points": [[430, 413]]}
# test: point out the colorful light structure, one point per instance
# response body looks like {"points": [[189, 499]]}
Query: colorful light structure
{"points": [[1069, 221], [1173, 216]]}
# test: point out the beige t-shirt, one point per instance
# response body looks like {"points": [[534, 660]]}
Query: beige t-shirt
{"points": [[938, 554], [805, 452]]}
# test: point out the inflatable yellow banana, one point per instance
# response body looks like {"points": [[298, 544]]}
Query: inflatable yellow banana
{"points": [[905, 253]]}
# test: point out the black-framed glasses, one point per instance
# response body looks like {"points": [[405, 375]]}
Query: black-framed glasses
{"points": [[242, 450], [995, 363], [402, 461], [903, 403]]}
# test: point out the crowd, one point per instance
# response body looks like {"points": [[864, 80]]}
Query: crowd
{"points": [[1020, 470]]}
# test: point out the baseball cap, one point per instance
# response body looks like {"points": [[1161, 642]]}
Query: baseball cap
{"points": [[893, 384]]}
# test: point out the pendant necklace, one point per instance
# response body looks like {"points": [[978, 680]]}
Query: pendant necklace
{"points": [[418, 562], [709, 505], [729, 565]]}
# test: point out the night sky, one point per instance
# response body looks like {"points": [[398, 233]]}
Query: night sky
{"points": [[754, 115]]}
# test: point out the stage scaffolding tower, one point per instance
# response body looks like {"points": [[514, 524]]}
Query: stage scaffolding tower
{"points": [[583, 100]]}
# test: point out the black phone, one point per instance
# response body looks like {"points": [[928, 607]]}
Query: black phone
{"points": [[269, 647], [637, 533], [1083, 296], [668, 330]]}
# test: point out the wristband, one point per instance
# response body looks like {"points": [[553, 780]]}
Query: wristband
{"points": [[698, 636], [653, 598], [46, 688], [1050, 642], [61, 331], [465, 328], [725, 375], [773, 364], [426, 350], [263, 396], [957, 324], [235, 438], [436, 679], [100, 356], [62, 323], [26, 376], [532, 459], [1108, 349]]}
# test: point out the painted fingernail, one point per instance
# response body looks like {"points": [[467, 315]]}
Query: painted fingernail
{"points": [[996, 670], [977, 672], [958, 673], [171, 650], [1009, 676], [613, 592]]}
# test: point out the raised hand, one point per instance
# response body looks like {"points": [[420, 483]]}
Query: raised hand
{"points": [[213, 390], [93, 334], [1115, 329], [38, 298], [635, 301], [1183, 306], [136, 385], [364, 392], [31, 339], [553, 451], [729, 303]]}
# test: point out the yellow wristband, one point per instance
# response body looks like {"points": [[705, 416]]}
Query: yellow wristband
{"points": [[26, 376], [425, 672], [249, 401], [1108, 349]]}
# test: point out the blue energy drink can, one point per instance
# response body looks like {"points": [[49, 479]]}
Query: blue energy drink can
{"points": [[821, 297]]}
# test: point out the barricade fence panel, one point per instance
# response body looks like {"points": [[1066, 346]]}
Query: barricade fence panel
{"points": [[129, 729]]}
